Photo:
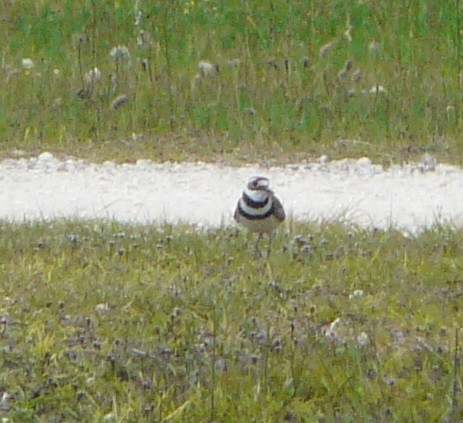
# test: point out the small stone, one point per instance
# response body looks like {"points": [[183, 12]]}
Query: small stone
{"points": [[358, 293], [45, 157], [110, 417], [102, 308], [323, 159]]}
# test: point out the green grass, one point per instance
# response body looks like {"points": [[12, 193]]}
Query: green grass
{"points": [[274, 97], [133, 324]]}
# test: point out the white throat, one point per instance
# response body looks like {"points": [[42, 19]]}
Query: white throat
{"points": [[256, 195]]}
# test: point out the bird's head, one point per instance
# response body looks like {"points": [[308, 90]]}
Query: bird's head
{"points": [[258, 183], [258, 188]]}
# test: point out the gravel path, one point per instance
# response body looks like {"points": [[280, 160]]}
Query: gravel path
{"points": [[358, 191]]}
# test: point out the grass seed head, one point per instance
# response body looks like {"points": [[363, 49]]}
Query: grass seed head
{"points": [[306, 61], [357, 75], [143, 38], [207, 68], [326, 49], [374, 47], [120, 53], [27, 63], [377, 89], [119, 101], [233, 63], [92, 76], [345, 69]]}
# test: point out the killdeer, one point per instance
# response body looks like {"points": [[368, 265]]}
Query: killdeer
{"points": [[259, 210]]}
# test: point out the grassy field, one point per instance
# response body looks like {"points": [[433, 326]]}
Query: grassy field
{"points": [[235, 81], [102, 322]]}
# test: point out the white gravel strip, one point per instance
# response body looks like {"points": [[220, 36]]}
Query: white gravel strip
{"points": [[357, 191]]}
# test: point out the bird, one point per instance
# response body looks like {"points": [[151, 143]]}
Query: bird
{"points": [[259, 210]]}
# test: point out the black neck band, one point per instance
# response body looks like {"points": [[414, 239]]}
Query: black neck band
{"points": [[254, 204]]}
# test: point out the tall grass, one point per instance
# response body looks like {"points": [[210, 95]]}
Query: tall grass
{"points": [[272, 86]]}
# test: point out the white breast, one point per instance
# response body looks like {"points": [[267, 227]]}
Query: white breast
{"points": [[255, 212]]}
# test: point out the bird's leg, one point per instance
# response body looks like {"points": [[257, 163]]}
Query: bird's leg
{"points": [[269, 245], [257, 250]]}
